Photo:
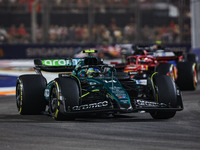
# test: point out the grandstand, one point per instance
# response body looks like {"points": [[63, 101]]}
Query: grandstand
{"points": [[96, 21]]}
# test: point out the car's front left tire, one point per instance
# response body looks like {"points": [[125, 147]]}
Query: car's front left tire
{"points": [[68, 89]]}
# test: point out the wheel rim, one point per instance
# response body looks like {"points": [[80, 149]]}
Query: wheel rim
{"points": [[19, 97], [172, 73], [54, 101], [195, 78]]}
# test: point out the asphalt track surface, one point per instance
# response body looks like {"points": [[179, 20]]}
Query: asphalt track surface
{"points": [[135, 131]]}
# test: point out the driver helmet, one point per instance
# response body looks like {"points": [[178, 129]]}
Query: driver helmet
{"points": [[158, 45], [93, 72]]}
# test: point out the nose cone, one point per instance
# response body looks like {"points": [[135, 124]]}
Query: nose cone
{"points": [[126, 107]]}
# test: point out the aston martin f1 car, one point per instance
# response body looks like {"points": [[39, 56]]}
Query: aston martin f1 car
{"points": [[94, 87]]}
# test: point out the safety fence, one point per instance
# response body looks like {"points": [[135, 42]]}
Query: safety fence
{"points": [[32, 51]]}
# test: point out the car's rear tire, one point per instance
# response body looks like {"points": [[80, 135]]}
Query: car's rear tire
{"points": [[30, 94], [167, 69], [192, 57], [165, 93], [69, 90], [187, 75]]}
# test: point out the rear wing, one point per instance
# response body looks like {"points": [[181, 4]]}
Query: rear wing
{"points": [[55, 65]]}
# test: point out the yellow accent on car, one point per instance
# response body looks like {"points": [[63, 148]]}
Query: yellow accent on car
{"points": [[21, 97], [85, 94], [172, 74], [56, 114], [57, 89], [89, 51], [95, 90], [158, 42], [57, 110], [154, 85], [110, 95]]}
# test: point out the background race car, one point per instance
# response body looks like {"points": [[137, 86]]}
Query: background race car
{"points": [[183, 68]]}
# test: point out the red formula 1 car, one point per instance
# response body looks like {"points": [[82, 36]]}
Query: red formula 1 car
{"points": [[137, 64], [182, 68], [140, 63]]}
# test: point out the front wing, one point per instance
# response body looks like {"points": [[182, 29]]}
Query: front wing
{"points": [[109, 106]]}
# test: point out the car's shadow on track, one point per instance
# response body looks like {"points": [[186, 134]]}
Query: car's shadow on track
{"points": [[16, 118]]}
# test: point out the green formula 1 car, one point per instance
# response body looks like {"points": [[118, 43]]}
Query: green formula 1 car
{"points": [[94, 87]]}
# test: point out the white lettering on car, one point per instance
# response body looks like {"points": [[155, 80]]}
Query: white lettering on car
{"points": [[48, 62], [91, 106]]}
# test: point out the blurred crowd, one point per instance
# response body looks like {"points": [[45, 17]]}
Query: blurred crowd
{"points": [[79, 6], [100, 34]]}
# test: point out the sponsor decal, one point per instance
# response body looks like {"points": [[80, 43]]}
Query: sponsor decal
{"points": [[148, 103], [141, 82], [109, 81], [65, 75], [91, 106], [75, 61], [126, 101], [49, 51], [121, 96], [161, 53], [132, 72], [56, 62], [92, 83], [60, 62]]}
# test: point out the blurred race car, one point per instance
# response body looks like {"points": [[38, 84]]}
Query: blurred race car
{"points": [[94, 87], [137, 63], [185, 67], [182, 68]]}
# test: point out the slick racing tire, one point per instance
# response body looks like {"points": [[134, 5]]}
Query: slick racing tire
{"points": [[167, 69], [187, 75], [63, 91], [165, 89], [30, 94], [192, 58]]}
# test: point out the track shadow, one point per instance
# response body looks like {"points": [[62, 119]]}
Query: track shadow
{"points": [[16, 118]]}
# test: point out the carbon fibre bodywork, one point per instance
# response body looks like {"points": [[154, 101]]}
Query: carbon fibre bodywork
{"points": [[110, 93], [102, 91]]}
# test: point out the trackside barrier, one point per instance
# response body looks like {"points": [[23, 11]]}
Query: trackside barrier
{"points": [[32, 51]]}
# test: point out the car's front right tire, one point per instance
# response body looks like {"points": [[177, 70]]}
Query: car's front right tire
{"points": [[165, 90], [30, 94]]}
